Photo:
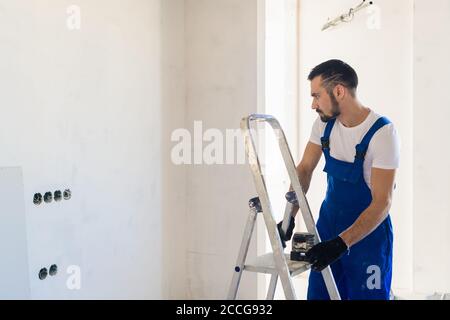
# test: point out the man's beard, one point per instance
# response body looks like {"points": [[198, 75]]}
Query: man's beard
{"points": [[335, 110]]}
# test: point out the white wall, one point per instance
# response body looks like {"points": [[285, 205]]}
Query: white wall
{"points": [[383, 59], [14, 249], [221, 71], [175, 233], [282, 101], [281, 91], [82, 110], [431, 156]]}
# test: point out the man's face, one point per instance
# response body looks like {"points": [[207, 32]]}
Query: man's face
{"points": [[325, 105]]}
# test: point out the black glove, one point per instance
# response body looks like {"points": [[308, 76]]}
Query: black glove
{"points": [[325, 253], [286, 237]]}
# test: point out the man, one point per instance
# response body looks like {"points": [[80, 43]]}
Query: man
{"points": [[361, 151]]}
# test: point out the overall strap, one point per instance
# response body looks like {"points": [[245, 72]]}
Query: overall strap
{"points": [[361, 149], [326, 137]]}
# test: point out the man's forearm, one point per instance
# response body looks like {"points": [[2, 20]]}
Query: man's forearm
{"points": [[305, 179], [367, 222]]}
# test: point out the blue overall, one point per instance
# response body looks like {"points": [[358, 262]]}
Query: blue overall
{"points": [[365, 272]]}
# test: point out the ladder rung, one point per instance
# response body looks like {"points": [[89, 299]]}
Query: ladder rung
{"points": [[266, 264]]}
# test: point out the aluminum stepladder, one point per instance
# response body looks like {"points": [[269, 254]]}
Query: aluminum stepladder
{"points": [[276, 263]]}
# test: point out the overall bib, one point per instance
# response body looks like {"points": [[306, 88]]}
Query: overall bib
{"points": [[365, 272]]}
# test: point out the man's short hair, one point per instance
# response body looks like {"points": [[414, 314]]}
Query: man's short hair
{"points": [[336, 72]]}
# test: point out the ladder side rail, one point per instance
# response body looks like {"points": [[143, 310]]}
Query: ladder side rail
{"points": [[275, 240], [243, 251]]}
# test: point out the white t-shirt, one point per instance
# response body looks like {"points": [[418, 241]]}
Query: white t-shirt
{"points": [[383, 151]]}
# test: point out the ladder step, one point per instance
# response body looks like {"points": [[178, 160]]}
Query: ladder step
{"points": [[266, 264]]}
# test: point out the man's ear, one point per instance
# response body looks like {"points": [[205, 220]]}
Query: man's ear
{"points": [[339, 92]]}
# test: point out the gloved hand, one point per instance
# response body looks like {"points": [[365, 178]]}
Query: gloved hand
{"points": [[325, 253], [286, 237]]}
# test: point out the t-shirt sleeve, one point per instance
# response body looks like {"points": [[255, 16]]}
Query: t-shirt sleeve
{"points": [[386, 148], [316, 132]]}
